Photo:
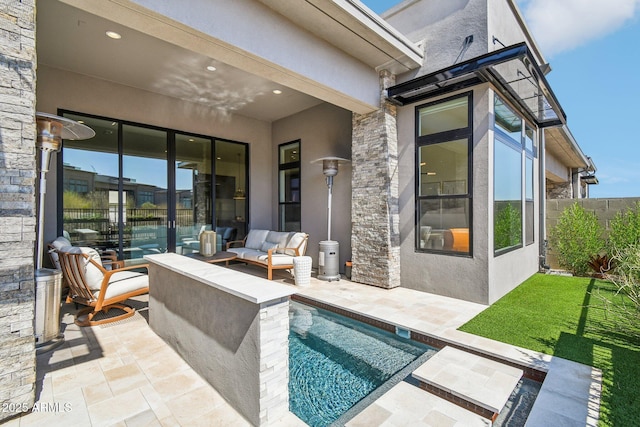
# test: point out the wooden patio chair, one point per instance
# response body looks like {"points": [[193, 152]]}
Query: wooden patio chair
{"points": [[96, 287]]}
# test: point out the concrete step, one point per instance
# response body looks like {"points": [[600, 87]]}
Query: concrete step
{"points": [[473, 382], [407, 405]]}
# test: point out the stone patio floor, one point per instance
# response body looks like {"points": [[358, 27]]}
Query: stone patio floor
{"points": [[123, 374]]}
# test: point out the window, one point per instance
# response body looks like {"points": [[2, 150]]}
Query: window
{"points": [[443, 171], [289, 187], [513, 190]]}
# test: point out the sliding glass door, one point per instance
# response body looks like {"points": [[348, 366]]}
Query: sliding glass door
{"points": [[192, 202], [142, 190]]}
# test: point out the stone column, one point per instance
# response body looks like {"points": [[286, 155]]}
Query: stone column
{"points": [[17, 205], [375, 234]]}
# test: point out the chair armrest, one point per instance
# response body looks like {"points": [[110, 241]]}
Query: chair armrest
{"points": [[113, 264], [296, 250], [130, 267], [239, 243]]}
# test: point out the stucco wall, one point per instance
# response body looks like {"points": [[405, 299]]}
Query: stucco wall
{"points": [[70, 91], [231, 328], [454, 276], [442, 26], [483, 278], [323, 131]]}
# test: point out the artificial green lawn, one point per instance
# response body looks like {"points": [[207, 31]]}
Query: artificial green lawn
{"points": [[565, 317]]}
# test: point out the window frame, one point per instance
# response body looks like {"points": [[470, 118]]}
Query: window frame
{"points": [[284, 166], [502, 137], [439, 138]]}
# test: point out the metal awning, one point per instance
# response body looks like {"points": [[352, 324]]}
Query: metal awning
{"points": [[512, 70]]}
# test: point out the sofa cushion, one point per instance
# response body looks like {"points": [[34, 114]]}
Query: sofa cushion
{"points": [[268, 245], [246, 253], [276, 259], [255, 239], [92, 274], [297, 240], [278, 237]]}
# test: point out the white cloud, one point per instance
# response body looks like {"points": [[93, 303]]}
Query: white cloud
{"points": [[559, 25]]}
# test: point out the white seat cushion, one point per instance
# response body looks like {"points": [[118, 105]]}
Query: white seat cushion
{"points": [[125, 282], [277, 259], [242, 252]]}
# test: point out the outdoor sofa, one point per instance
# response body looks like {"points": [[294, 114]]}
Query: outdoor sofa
{"points": [[273, 250]]}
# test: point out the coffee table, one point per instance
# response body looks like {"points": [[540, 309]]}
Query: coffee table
{"points": [[221, 256]]}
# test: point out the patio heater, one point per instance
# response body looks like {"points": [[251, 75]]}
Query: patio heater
{"points": [[51, 130], [328, 257]]}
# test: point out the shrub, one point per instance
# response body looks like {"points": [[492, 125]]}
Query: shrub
{"points": [[626, 310], [576, 239], [625, 230]]}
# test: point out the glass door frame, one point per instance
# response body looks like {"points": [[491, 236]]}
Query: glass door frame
{"points": [[171, 178]]}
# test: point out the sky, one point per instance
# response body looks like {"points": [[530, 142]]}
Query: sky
{"points": [[593, 47]]}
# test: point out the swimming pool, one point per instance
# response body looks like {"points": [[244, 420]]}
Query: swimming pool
{"points": [[335, 362]]}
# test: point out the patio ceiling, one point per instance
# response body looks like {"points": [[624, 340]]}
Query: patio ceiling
{"points": [[71, 36], [74, 40]]}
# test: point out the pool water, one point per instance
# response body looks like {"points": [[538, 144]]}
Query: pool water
{"points": [[335, 362]]}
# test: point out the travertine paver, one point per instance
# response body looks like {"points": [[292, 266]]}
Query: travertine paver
{"points": [[474, 379], [407, 405]]}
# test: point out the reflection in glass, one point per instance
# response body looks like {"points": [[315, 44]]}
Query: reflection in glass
{"points": [[529, 204], [507, 208], [90, 186], [444, 224], [289, 216], [144, 172], [444, 168], [443, 116], [193, 191], [231, 187], [507, 120]]}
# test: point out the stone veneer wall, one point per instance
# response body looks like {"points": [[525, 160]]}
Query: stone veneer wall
{"points": [[559, 190], [375, 234], [17, 204]]}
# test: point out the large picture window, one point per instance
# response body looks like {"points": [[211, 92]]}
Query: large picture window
{"points": [[513, 192], [443, 171]]}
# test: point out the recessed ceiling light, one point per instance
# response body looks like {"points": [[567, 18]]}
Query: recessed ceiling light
{"points": [[113, 35], [191, 140], [277, 91], [211, 68]]}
